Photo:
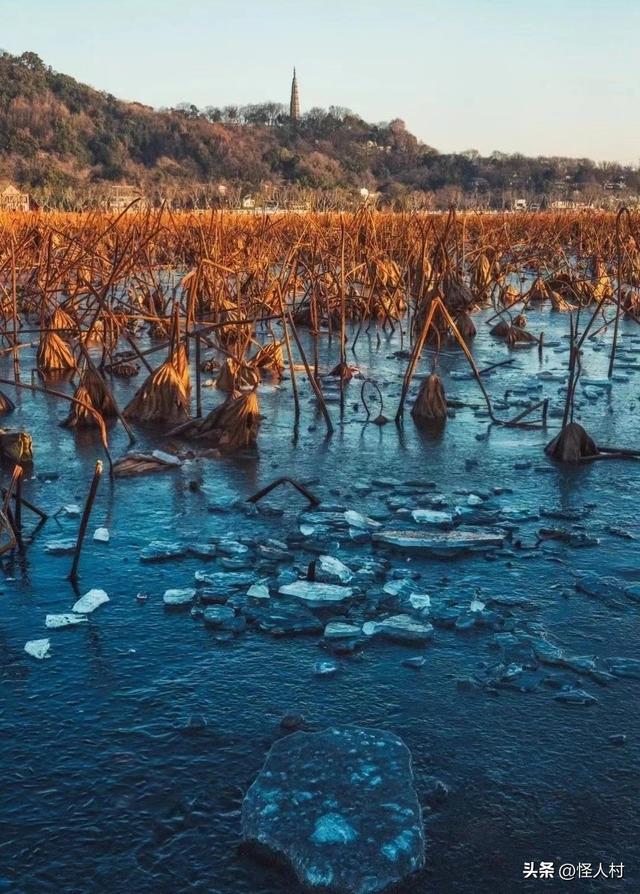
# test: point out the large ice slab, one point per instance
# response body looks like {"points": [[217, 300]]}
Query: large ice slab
{"points": [[440, 542], [340, 807]]}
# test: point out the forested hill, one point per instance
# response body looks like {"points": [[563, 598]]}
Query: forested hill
{"points": [[61, 139]]}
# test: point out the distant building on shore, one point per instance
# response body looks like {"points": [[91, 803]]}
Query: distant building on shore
{"points": [[294, 104], [119, 198], [11, 199]]}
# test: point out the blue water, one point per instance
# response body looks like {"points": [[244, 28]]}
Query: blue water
{"points": [[107, 785]]}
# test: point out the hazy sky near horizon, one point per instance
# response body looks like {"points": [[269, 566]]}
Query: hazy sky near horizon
{"points": [[541, 77]]}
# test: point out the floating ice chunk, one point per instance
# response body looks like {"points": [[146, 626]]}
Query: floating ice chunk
{"points": [[403, 628], [101, 535], [72, 509], [394, 587], [476, 605], [625, 667], [331, 570], [432, 517], [168, 458], [336, 630], [64, 620], [180, 596], [160, 551], [474, 500], [307, 530], [223, 617], [60, 547], [440, 542], [317, 595], [357, 520], [225, 580], [325, 668], [90, 601], [552, 376], [416, 662], [258, 591], [232, 548], [346, 815], [358, 535], [576, 697], [420, 601], [38, 648], [202, 550]]}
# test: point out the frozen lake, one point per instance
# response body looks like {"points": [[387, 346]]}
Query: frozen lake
{"points": [[127, 753]]}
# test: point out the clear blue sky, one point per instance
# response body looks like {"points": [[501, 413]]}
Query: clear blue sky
{"points": [[548, 77]]}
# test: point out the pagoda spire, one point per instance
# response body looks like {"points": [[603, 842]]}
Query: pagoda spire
{"points": [[294, 105]]}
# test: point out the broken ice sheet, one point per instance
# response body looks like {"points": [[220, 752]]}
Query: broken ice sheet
{"points": [[180, 596], [420, 601], [160, 551], [168, 458], [38, 648], [575, 697], [330, 570], [67, 619], [432, 517], [357, 520], [71, 509], [325, 668], [90, 601], [258, 591], [317, 595], [60, 547]]}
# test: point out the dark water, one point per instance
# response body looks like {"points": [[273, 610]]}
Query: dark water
{"points": [[106, 788]]}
